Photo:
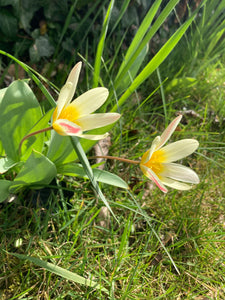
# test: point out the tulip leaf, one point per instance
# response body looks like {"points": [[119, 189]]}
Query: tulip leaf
{"points": [[99, 175], [60, 149], [4, 189], [2, 93], [37, 170], [6, 164], [36, 141], [19, 112]]}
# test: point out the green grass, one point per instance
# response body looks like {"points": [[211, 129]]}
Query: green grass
{"points": [[126, 257], [162, 246]]}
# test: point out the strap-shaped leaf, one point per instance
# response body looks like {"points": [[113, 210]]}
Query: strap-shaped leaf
{"points": [[99, 175]]}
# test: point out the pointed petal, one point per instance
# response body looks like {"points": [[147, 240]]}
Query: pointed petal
{"points": [[65, 127], [94, 137], [67, 91], [176, 184], [179, 172], [151, 175], [97, 120], [90, 101], [168, 131], [74, 74], [146, 157], [179, 149]]}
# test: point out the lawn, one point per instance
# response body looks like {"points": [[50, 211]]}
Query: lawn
{"points": [[75, 226]]}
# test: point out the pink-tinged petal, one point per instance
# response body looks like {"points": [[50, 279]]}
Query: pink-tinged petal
{"points": [[176, 184], [65, 127], [168, 131], [152, 176], [179, 149], [180, 173], [97, 120], [90, 101], [67, 92], [94, 137]]}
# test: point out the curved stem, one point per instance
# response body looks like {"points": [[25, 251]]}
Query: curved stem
{"points": [[129, 161], [31, 134]]}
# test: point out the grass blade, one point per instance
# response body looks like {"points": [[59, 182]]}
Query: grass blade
{"points": [[101, 43], [135, 50], [60, 271], [31, 73], [155, 62]]}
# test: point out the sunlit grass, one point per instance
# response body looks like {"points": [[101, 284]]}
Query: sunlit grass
{"points": [[66, 225], [126, 258]]}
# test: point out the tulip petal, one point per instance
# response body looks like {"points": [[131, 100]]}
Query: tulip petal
{"points": [[90, 101], [179, 149], [65, 127], [151, 175], [97, 120], [168, 132], [176, 184], [179, 172], [94, 137], [67, 92], [151, 150]]}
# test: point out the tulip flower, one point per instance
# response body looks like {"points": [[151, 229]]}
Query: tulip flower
{"points": [[74, 118], [158, 162]]}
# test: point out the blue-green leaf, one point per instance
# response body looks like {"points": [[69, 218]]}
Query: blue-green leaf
{"points": [[36, 171], [4, 189], [103, 176], [6, 164], [19, 111]]}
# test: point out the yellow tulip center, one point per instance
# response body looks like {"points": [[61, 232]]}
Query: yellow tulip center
{"points": [[69, 113], [155, 163]]}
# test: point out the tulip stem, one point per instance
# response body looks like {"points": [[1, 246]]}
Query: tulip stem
{"points": [[129, 161], [31, 134]]}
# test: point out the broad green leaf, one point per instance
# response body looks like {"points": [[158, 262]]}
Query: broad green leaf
{"points": [[61, 271], [99, 175], [2, 152], [6, 164], [4, 189], [19, 111], [37, 170], [2, 93], [60, 149], [28, 145]]}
